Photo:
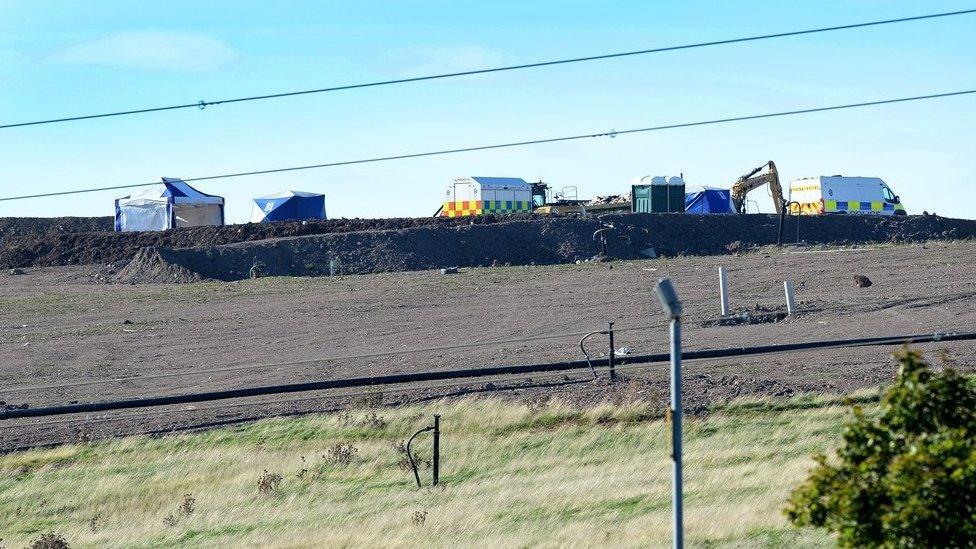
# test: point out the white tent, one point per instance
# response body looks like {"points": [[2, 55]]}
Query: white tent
{"points": [[166, 205]]}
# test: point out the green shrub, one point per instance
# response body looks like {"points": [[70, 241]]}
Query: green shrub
{"points": [[904, 476]]}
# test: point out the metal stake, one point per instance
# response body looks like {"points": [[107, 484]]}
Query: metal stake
{"points": [[782, 219], [437, 448], [613, 352]]}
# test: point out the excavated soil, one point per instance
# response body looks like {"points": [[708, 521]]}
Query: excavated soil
{"points": [[43, 249], [384, 245], [520, 242], [11, 227], [57, 327]]}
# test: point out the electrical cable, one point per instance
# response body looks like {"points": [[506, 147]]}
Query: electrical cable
{"points": [[413, 464], [331, 396], [582, 345], [399, 379], [621, 366], [611, 134], [203, 104], [334, 358]]}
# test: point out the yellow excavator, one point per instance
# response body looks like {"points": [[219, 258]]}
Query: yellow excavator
{"points": [[751, 181]]}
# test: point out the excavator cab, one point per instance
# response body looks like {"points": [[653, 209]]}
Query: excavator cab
{"points": [[540, 194]]}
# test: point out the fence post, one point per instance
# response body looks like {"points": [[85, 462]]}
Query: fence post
{"points": [[723, 290], [790, 303], [672, 308], [613, 353], [437, 448]]}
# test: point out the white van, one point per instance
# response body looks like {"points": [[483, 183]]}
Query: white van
{"points": [[837, 194]]}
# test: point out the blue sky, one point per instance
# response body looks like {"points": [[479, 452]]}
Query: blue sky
{"points": [[60, 58]]}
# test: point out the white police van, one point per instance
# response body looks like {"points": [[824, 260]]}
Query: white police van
{"points": [[837, 194]]}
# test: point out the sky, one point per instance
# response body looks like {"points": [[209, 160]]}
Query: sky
{"points": [[61, 58]]}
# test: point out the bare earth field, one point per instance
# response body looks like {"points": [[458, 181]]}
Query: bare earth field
{"points": [[58, 326]]}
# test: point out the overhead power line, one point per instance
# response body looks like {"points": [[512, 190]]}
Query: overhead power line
{"points": [[203, 104], [611, 133]]}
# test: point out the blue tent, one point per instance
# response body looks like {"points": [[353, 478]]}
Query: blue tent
{"points": [[166, 205], [288, 205], [709, 200]]}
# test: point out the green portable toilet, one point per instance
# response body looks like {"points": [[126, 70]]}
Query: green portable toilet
{"points": [[676, 195], [640, 198], [663, 195]]}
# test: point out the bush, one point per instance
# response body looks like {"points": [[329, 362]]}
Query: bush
{"points": [[904, 477], [50, 540]]}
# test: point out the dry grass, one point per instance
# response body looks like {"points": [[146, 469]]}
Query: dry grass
{"points": [[512, 477]]}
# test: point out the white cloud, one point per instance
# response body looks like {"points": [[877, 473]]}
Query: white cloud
{"points": [[149, 50], [423, 60]]}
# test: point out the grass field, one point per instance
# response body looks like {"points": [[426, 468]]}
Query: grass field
{"points": [[512, 476]]}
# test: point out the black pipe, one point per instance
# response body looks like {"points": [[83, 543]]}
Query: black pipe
{"points": [[413, 464], [396, 379], [437, 448]]}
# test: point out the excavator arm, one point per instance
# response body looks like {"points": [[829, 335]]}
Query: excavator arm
{"points": [[751, 181]]}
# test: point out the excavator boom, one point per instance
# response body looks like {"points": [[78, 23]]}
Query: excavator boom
{"points": [[751, 181]]}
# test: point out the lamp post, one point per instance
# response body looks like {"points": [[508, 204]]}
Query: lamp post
{"points": [[672, 308]]}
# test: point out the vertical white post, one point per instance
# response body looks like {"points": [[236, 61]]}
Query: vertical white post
{"points": [[790, 304], [723, 290]]}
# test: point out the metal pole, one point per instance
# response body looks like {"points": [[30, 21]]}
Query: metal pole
{"points": [[782, 218], [673, 309], [437, 448], [613, 352], [676, 412], [723, 290], [790, 304]]}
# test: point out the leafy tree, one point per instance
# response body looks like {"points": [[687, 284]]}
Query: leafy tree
{"points": [[904, 475]]}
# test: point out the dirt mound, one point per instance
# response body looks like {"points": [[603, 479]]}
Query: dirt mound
{"points": [[155, 265], [531, 241], [45, 247], [11, 227], [517, 242], [380, 245]]}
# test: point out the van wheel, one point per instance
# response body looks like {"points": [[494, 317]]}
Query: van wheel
{"points": [[901, 212]]}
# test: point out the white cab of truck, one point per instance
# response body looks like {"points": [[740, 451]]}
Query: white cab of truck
{"points": [[837, 194]]}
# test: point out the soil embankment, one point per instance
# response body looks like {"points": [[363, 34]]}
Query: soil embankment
{"points": [[384, 245], [46, 248], [12, 227], [521, 242]]}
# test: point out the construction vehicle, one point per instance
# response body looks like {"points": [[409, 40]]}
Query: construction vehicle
{"points": [[565, 201], [751, 181], [469, 196], [843, 195], [545, 200]]}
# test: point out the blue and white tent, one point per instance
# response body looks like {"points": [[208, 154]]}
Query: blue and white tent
{"points": [[708, 200], [288, 205], [166, 205]]}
